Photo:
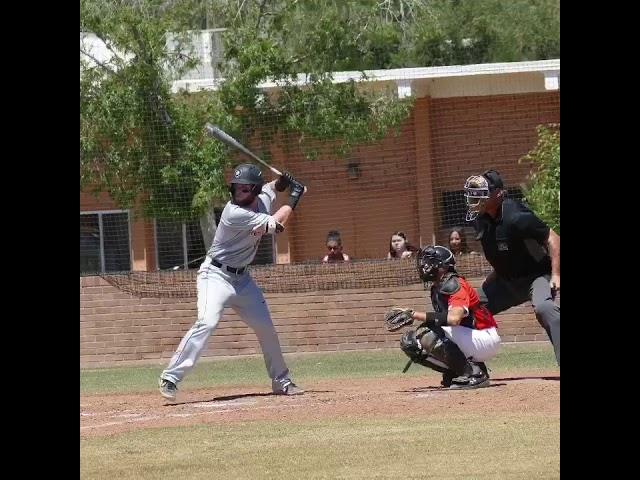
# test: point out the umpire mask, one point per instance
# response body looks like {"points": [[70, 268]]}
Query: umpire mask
{"points": [[478, 190], [476, 194]]}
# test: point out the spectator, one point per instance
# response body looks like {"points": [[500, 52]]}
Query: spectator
{"points": [[399, 247], [334, 246], [458, 242]]}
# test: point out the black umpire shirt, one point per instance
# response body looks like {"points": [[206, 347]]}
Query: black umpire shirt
{"points": [[515, 242]]}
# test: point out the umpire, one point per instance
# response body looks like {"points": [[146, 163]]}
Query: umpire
{"points": [[523, 251]]}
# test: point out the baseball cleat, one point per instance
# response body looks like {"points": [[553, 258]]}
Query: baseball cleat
{"points": [[286, 387], [168, 389]]}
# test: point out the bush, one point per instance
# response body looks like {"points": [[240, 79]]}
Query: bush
{"points": [[542, 192]]}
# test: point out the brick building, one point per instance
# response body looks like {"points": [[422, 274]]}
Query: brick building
{"points": [[465, 119]]}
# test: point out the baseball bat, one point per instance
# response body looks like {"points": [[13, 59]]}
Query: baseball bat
{"points": [[227, 139], [216, 132], [178, 267]]}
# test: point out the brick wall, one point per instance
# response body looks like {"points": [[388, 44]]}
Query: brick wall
{"points": [[116, 327], [444, 139], [401, 177], [471, 133]]}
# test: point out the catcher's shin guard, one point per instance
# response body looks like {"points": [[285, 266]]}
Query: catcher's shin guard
{"points": [[437, 352], [417, 346]]}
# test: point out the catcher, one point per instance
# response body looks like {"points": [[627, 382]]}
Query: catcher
{"points": [[459, 336]]}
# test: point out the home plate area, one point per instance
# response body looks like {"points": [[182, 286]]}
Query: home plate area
{"points": [[329, 399]]}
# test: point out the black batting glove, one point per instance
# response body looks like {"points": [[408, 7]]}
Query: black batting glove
{"points": [[284, 181], [295, 193]]}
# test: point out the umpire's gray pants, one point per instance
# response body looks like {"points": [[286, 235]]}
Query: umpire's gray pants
{"points": [[499, 294]]}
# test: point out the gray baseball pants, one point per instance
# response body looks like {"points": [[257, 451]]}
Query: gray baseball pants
{"points": [[500, 294], [218, 289]]}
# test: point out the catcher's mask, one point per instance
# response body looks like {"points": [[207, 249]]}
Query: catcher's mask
{"points": [[478, 190], [247, 174], [431, 259]]}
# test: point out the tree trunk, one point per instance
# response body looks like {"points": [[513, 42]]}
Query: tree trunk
{"points": [[208, 226]]}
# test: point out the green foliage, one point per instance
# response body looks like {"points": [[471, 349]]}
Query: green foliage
{"points": [[337, 35], [145, 145], [543, 191], [457, 32], [320, 111], [138, 141]]}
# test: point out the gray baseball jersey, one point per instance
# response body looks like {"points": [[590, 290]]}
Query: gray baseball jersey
{"points": [[239, 231]]}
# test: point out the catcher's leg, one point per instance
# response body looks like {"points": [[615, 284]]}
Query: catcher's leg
{"points": [[439, 353], [477, 345], [412, 347]]}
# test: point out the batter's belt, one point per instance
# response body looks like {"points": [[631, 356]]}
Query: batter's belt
{"points": [[237, 271]]}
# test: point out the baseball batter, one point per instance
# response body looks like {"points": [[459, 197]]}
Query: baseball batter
{"points": [[223, 279]]}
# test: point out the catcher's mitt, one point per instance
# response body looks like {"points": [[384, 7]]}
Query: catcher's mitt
{"points": [[397, 318]]}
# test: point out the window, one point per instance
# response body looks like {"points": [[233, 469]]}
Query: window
{"points": [[264, 255], [179, 244], [104, 242], [454, 209], [454, 206]]}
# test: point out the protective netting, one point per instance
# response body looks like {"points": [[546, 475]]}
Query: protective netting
{"points": [[297, 278], [383, 155]]}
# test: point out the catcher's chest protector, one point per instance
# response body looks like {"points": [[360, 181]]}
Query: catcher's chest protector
{"points": [[440, 300]]}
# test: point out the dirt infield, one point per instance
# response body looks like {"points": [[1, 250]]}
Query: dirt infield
{"points": [[102, 415]]}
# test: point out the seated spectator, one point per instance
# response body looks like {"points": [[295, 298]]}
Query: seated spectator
{"points": [[458, 242], [399, 247], [334, 245]]}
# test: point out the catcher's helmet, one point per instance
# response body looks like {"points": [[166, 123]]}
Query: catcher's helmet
{"points": [[477, 190], [248, 174], [432, 258]]}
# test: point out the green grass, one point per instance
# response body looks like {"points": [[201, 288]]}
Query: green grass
{"points": [[454, 445], [458, 447], [304, 367]]}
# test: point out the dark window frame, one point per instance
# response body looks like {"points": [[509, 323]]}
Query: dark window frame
{"points": [[101, 235]]}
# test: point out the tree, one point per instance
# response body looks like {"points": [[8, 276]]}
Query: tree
{"points": [[138, 141], [459, 32], [375, 34], [266, 42], [543, 190], [145, 146]]}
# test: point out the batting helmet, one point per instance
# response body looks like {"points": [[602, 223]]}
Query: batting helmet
{"points": [[433, 257], [248, 174]]}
